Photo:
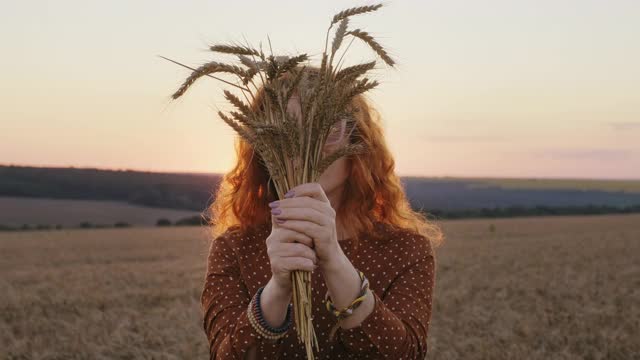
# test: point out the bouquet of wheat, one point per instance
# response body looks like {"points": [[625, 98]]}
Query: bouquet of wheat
{"points": [[292, 150]]}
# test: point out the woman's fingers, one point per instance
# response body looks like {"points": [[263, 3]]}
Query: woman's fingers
{"points": [[310, 229], [313, 190], [285, 250], [306, 214], [297, 263], [301, 202], [289, 236]]}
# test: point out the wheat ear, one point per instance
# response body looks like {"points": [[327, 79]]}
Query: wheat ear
{"points": [[364, 36]]}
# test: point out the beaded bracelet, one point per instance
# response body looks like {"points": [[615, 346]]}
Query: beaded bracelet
{"points": [[257, 321], [347, 311]]}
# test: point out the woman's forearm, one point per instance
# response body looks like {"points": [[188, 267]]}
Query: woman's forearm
{"points": [[343, 284], [274, 302]]}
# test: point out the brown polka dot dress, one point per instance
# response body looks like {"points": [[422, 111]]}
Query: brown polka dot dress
{"points": [[399, 264]]}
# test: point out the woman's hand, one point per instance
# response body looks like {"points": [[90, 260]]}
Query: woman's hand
{"points": [[288, 250], [309, 212]]}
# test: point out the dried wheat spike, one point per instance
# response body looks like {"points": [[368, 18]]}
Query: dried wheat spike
{"points": [[364, 36], [360, 87], [354, 11], [355, 71], [292, 63], [320, 79], [249, 75], [242, 119], [248, 62], [294, 84], [207, 69], [234, 49], [347, 150], [291, 130], [250, 138], [271, 67], [239, 104], [272, 95], [340, 33]]}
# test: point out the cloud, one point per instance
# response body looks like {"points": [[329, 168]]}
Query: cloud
{"points": [[463, 138], [624, 125], [586, 154]]}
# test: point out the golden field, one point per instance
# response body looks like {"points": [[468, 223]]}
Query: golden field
{"points": [[525, 288]]}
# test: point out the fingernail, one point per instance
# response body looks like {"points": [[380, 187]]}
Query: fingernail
{"points": [[276, 211], [289, 194], [274, 204]]}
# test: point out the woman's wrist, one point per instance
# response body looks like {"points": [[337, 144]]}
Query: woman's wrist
{"points": [[336, 264], [342, 280], [279, 291], [274, 300], [256, 317]]}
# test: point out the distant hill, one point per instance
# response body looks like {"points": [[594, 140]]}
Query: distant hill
{"points": [[162, 190], [454, 194], [192, 193], [17, 211]]}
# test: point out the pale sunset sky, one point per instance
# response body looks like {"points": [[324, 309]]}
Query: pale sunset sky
{"points": [[544, 88]]}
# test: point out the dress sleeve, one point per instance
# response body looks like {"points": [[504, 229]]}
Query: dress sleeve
{"points": [[398, 326], [224, 300]]}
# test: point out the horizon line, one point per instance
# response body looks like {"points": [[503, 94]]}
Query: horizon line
{"points": [[222, 173]]}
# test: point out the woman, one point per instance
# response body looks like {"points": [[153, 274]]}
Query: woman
{"points": [[354, 229]]}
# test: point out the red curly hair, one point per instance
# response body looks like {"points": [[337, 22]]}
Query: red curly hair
{"points": [[372, 191]]}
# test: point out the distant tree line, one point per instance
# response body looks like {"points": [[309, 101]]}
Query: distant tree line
{"points": [[164, 190], [446, 199], [507, 212], [188, 221], [82, 225], [515, 211]]}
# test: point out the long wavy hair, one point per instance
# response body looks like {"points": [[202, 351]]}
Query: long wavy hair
{"points": [[372, 190]]}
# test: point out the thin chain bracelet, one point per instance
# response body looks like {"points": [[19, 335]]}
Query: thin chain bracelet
{"points": [[347, 311]]}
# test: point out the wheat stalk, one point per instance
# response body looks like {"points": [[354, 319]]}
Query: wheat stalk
{"points": [[234, 49], [292, 149], [355, 71], [206, 69], [364, 36], [354, 11], [340, 33]]}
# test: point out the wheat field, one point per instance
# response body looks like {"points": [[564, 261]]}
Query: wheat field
{"points": [[526, 288]]}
